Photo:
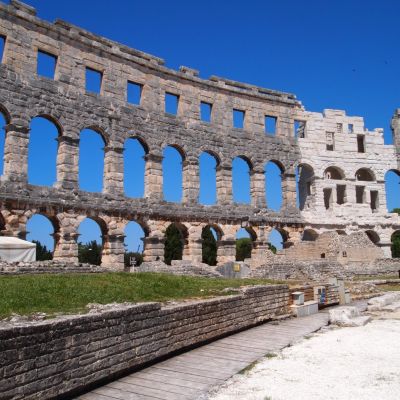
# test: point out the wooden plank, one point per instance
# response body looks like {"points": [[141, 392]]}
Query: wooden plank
{"points": [[194, 371], [187, 376], [120, 395]]}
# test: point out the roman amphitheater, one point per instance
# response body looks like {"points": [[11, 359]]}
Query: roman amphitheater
{"points": [[341, 165]]}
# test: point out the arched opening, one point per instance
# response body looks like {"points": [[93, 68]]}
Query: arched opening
{"points": [[305, 186], [175, 241], [309, 235], [42, 152], [208, 179], [341, 232], [395, 239], [273, 185], [241, 168], [2, 141], [392, 188], [210, 237], [2, 223], [172, 174], [91, 160], [41, 230], [334, 173], [90, 244], [245, 238], [277, 239], [365, 174], [134, 167], [134, 244], [373, 236]]}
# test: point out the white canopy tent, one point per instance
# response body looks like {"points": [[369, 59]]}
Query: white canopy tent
{"points": [[13, 249]]}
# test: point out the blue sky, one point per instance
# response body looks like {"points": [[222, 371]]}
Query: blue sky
{"points": [[341, 54]]}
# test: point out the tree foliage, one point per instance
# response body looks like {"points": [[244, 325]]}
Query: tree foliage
{"points": [[396, 239], [173, 247], [272, 247], [42, 253], [209, 247], [243, 248], [90, 253]]}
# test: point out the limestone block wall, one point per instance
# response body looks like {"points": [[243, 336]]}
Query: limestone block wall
{"points": [[57, 357]]}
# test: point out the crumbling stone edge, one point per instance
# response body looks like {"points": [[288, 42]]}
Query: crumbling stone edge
{"points": [[62, 357]]}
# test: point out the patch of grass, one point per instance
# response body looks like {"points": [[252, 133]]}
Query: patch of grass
{"points": [[247, 369], [271, 355], [68, 293]]}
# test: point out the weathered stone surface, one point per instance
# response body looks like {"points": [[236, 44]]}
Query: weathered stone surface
{"points": [[347, 316], [48, 358]]}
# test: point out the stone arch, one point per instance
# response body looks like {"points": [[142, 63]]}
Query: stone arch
{"points": [[135, 151], [172, 171], [373, 236], [241, 184], [392, 189], [211, 236], [208, 164], [278, 237], [37, 222], [309, 235], [43, 149], [395, 247], [334, 173], [94, 254], [274, 174], [365, 174], [92, 143], [176, 242], [6, 114], [99, 130], [245, 242], [305, 186], [135, 234]]}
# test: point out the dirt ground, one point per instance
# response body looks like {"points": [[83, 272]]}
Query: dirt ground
{"points": [[360, 363]]}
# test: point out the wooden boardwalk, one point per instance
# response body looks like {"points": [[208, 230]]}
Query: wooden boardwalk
{"points": [[192, 374]]}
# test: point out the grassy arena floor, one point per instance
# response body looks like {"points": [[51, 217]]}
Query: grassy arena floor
{"points": [[68, 293]]}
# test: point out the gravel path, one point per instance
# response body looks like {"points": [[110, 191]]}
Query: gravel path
{"points": [[341, 364]]}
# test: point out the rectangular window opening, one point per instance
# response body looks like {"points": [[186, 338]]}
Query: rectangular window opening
{"points": [[299, 129], [46, 64], [361, 143], [171, 103], [93, 80], [330, 141], [134, 93], [360, 194], [270, 125], [350, 128], [327, 198], [339, 128], [341, 194], [2, 46], [238, 118], [205, 111], [374, 200]]}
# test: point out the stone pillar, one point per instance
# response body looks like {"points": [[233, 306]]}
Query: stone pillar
{"points": [[191, 182], [66, 247], [153, 187], [224, 185], [294, 237], [67, 163], [289, 194], [113, 181], [386, 248], [260, 245], [194, 249], [113, 252], [16, 153], [257, 188], [226, 251], [153, 249]]}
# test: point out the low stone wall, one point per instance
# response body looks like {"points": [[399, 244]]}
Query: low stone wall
{"points": [[51, 358], [47, 267]]}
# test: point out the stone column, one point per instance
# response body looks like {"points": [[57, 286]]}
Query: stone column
{"points": [[113, 252], [16, 153], [194, 250], [113, 181], [153, 187], [386, 248], [224, 185], [153, 249], [66, 247], [289, 191], [226, 251], [260, 245], [191, 182], [257, 188], [294, 237], [67, 163]]}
